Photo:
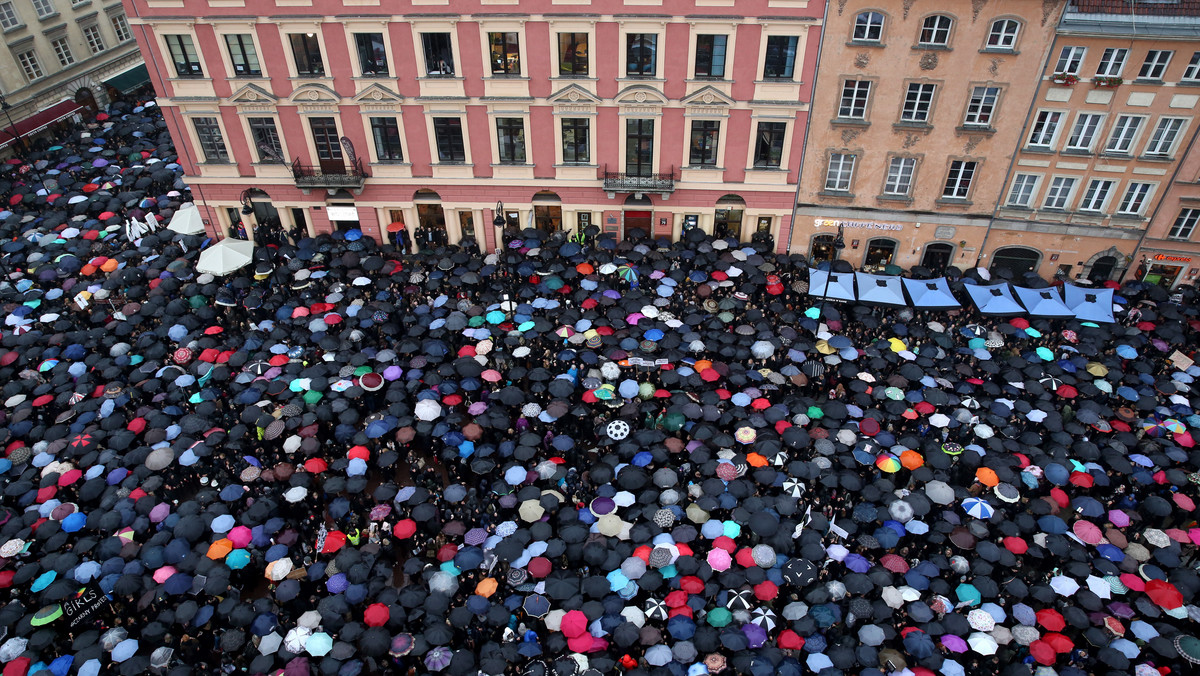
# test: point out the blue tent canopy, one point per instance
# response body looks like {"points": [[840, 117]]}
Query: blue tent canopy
{"points": [[995, 299], [879, 289], [1090, 305], [840, 285], [930, 293], [1043, 302]]}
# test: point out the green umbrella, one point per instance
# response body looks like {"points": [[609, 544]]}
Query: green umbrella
{"points": [[726, 316], [555, 283], [719, 617], [894, 393], [605, 392], [815, 413], [47, 615], [313, 396], [198, 302], [1033, 333], [475, 322], [646, 391], [673, 421], [362, 370], [952, 449], [1045, 354], [892, 269]]}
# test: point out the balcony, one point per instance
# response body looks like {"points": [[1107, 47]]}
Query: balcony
{"points": [[619, 181], [329, 175]]}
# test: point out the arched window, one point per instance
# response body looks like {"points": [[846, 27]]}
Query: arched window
{"points": [[1003, 34], [935, 31], [880, 252], [1017, 259], [868, 27], [821, 248], [937, 256]]}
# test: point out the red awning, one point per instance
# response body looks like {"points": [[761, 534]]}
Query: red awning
{"points": [[35, 123]]}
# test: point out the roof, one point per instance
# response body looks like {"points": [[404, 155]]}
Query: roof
{"points": [[1137, 7], [37, 122]]}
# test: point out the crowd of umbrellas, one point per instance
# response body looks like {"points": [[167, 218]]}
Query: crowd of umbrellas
{"points": [[561, 457]]}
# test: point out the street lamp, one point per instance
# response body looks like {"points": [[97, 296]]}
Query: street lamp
{"points": [[499, 222], [839, 243]]}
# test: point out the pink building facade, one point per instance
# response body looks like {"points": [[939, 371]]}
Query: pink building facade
{"points": [[656, 115]]}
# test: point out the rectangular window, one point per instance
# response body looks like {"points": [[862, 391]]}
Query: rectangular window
{"points": [[372, 54], [703, 146], [1185, 224], [439, 54], [62, 49], [917, 102], [243, 55], [121, 28], [710, 55], [8, 15], [1070, 59], [306, 52], [1135, 199], [1112, 63], [510, 135], [44, 8], [183, 53], [30, 65], [1162, 142], [1192, 72], [958, 179], [868, 27], [1123, 133], [780, 63], [1059, 193], [576, 141], [855, 95], [935, 31], [266, 139], [900, 176], [1083, 134], [639, 147], [768, 145], [1155, 64], [212, 143], [1096, 195], [505, 49], [573, 54], [640, 51], [1044, 129], [981, 107], [386, 133], [327, 141], [448, 134], [95, 42], [841, 171], [1022, 190]]}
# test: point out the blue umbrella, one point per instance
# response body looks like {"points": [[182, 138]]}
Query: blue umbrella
{"points": [[124, 650], [43, 581], [74, 522], [237, 559], [1052, 524]]}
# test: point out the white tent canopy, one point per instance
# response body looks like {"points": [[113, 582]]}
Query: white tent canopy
{"points": [[995, 299], [187, 221], [880, 289], [838, 287], [1090, 305], [1043, 302], [930, 293], [226, 256]]}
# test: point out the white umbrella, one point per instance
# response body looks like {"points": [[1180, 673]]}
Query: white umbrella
{"points": [[295, 494], [226, 256], [427, 409], [1064, 585], [981, 619], [762, 349], [295, 640], [270, 643], [982, 643], [12, 648], [939, 420], [309, 619], [187, 221]]}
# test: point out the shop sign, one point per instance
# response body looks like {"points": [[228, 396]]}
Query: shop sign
{"points": [[341, 213], [1178, 259], [865, 225]]}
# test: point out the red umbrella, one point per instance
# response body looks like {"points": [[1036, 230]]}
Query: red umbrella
{"points": [[766, 590], [446, 552], [1019, 322], [334, 541], [333, 318], [790, 640], [1060, 643], [1082, 479], [1043, 653], [1164, 594], [894, 563], [1066, 391], [315, 465], [869, 427], [1051, 619], [105, 215], [405, 529], [69, 477], [1016, 545], [539, 566], [376, 615]]}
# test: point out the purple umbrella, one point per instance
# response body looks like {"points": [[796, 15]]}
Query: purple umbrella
{"points": [[954, 643], [756, 635], [337, 583], [857, 563], [99, 162]]}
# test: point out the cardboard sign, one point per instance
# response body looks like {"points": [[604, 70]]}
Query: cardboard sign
{"points": [[1181, 360]]}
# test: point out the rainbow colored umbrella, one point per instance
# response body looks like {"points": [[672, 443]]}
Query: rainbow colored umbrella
{"points": [[888, 463]]}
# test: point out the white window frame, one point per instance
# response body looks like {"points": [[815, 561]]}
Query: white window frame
{"points": [[869, 26], [839, 172], [901, 172], [1089, 122], [1137, 193], [1003, 34], [1070, 60], [120, 26], [1192, 72], [31, 66], [925, 91], [44, 8], [960, 178], [855, 94], [981, 105], [195, 133], [1023, 190], [93, 38], [938, 25], [1096, 197], [1185, 224], [62, 51], [1060, 192], [627, 28], [1112, 62], [1155, 64], [8, 15], [1044, 134], [1124, 133], [1160, 145]]}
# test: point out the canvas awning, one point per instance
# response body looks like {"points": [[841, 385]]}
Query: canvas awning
{"points": [[1090, 305], [1043, 302], [37, 122], [129, 80], [838, 287], [879, 289], [995, 299], [930, 293]]}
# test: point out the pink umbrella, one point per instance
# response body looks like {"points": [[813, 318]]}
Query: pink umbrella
{"points": [[1088, 532], [240, 536], [1178, 535], [719, 559], [491, 375], [954, 643], [574, 623], [1118, 518], [477, 408], [1194, 534], [633, 318], [1184, 501], [163, 574]]}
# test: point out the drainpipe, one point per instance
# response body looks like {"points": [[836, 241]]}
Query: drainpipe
{"points": [[807, 125]]}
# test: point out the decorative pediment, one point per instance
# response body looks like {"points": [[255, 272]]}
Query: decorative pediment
{"points": [[641, 95], [574, 95], [314, 94], [707, 96], [253, 95], [377, 94]]}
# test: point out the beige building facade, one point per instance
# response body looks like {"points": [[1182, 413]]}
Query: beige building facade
{"points": [[917, 109], [61, 57]]}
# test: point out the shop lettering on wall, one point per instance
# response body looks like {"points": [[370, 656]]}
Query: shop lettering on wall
{"points": [[866, 225], [1179, 259]]}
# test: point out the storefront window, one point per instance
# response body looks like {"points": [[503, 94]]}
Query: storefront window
{"points": [[727, 222], [547, 217], [821, 249], [1163, 275], [880, 253], [466, 222]]}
